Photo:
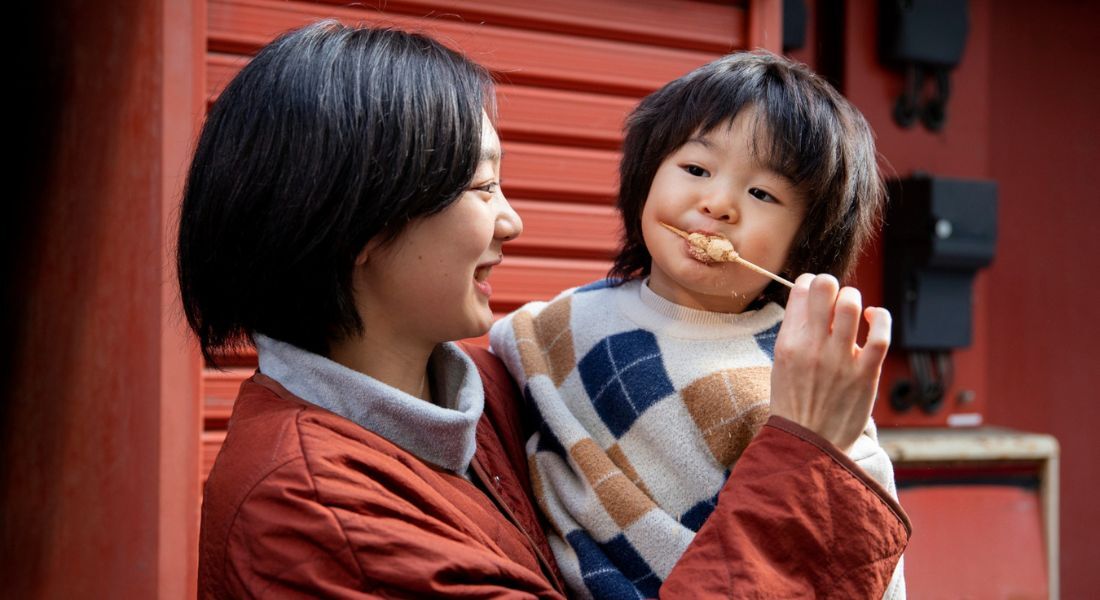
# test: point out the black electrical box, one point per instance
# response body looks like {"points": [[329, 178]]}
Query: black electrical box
{"points": [[938, 233], [926, 32]]}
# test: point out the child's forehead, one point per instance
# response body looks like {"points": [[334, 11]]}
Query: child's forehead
{"points": [[753, 132], [748, 122]]}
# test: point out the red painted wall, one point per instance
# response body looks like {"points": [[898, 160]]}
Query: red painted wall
{"points": [[959, 150], [1043, 292], [1023, 112]]}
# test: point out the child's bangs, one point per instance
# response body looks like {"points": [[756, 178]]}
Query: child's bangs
{"points": [[797, 137]]}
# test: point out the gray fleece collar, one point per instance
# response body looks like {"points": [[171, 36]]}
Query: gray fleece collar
{"points": [[440, 436]]}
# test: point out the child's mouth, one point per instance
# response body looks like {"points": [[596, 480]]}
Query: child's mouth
{"points": [[698, 253], [717, 248], [705, 246]]}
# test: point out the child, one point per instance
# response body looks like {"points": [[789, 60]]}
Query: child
{"points": [[650, 384]]}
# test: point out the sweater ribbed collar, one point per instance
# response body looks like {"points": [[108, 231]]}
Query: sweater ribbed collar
{"points": [[653, 312], [441, 435]]}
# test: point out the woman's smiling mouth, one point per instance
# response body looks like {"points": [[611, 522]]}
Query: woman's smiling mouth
{"points": [[481, 277]]}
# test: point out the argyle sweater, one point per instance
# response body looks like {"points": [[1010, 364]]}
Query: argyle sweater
{"points": [[643, 408]]}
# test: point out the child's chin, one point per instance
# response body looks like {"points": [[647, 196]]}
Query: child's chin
{"points": [[716, 280]]}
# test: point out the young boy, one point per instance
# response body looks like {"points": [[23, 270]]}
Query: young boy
{"points": [[650, 384]]}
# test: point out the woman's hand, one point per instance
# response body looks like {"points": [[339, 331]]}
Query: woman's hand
{"points": [[821, 378]]}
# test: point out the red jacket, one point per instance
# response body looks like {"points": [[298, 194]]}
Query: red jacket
{"points": [[302, 502]]}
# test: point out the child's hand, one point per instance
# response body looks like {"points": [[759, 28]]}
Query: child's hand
{"points": [[821, 378]]}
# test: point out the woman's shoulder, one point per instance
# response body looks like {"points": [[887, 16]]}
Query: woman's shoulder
{"points": [[294, 485], [270, 421], [277, 441], [261, 434], [286, 458]]}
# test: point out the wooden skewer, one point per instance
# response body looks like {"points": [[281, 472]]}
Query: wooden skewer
{"points": [[735, 257]]}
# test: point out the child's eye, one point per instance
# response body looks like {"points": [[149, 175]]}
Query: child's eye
{"points": [[696, 171], [760, 194]]}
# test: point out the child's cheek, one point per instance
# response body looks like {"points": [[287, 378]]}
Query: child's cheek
{"points": [[773, 256]]}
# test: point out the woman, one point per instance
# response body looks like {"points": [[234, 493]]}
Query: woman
{"points": [[343, 213]]}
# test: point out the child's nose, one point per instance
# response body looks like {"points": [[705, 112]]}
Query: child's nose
{"points": [[720, 209]]}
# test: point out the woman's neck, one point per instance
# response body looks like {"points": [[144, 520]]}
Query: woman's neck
{"points": [[397, 362]]}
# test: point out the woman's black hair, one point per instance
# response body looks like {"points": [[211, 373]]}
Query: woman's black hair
{"points": [[329, 137], [804, 130]]}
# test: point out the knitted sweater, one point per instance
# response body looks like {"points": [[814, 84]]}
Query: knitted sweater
{"points": [[644, 406]]}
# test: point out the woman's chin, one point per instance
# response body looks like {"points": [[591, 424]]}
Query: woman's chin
{"points": [[476, 326]]}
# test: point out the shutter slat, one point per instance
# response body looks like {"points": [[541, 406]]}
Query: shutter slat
{"points": [[527, 57], [220, 390], [530, 114], [557, 229], [673, 23], [525, 114], [559, 173]]}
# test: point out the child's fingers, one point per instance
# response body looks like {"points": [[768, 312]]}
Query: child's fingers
{"points": [[849, 304], [819, 306], [878, 338]]}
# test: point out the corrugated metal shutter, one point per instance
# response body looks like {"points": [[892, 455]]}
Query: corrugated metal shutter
{"points": [[569, 71]]}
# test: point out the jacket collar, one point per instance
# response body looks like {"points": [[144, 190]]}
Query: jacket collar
{"points": [[444, 437]]}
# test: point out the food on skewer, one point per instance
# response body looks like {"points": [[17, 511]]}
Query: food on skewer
{"points": [[711, 248]]}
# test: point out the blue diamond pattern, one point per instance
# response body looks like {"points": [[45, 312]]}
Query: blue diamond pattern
{"points": [[601, 576], [766, 340], [695, 516], [624, 375], [632, 565], [548, 442]]}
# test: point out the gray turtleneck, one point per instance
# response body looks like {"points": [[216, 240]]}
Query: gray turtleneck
{"points": [[441, 435]]}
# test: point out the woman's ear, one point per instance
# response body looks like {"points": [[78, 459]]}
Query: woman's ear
{"points": [[361, 258]]}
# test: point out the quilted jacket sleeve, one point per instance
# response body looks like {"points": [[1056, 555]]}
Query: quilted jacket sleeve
{"points": [[872, 458], [797, 518]]}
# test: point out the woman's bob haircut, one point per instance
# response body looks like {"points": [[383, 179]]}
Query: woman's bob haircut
{"points": [[330, 137], [804, 131]]}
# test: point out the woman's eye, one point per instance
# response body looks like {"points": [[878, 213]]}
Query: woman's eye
{"points": [[696, 170], [760, 194], [489, 188]]}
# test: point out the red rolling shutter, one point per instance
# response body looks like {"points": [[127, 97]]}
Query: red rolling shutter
{"points": [[568, 72]]}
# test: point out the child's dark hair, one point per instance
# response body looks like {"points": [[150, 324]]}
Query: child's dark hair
{"points": [[805, 131], [330, 136]]}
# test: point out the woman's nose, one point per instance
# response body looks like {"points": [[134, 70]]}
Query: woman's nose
{"points": [[508, 224]]}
